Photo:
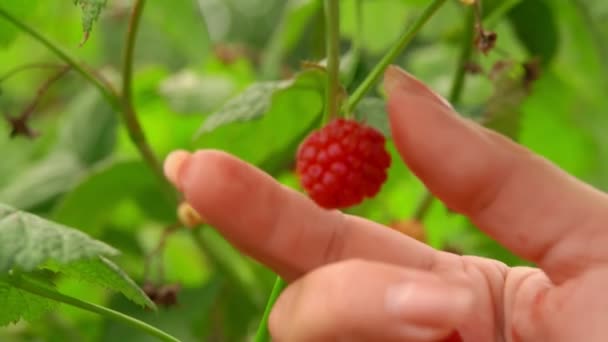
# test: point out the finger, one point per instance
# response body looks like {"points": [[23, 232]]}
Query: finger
{"points": [[281, 227], [335, 303], [520, 199]]}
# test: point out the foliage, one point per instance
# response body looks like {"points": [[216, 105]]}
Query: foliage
{"points": [[248, 77]]}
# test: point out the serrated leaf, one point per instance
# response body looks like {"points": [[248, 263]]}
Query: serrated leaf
{"points": [[536, 27], [372, 111], [28, 241], [293, 112], [248, 105], [103, 272], [17, 304], [91, 9]]}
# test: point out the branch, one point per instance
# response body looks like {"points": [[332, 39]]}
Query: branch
{"points": [[32, 287], [401, 44], [19, 124], [136, 133], [107, 93]]}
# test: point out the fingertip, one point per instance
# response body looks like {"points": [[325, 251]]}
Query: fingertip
{"points": [[398, 83], [173, 166]]}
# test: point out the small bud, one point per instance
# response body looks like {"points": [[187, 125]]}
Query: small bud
{"points": [[188, 216], [468, 2]]}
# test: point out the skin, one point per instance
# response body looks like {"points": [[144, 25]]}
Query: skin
{"points": [[353, 280]]}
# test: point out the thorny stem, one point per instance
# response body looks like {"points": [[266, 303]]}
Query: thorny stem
{"points": [[262, 334], [112, 97], [332, 42], [426, 202], [128, 111], [107, 92], [401, 44], [32, 287], [27, 112]]}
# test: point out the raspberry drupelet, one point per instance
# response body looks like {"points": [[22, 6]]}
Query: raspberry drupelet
{"points": [[342, 163]]}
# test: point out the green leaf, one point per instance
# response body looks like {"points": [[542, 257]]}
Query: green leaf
{"points": [[19, 9], [118, 181], [103, 272], [535, 26], [28, 241], [372, 111], [299, 13], [192, 320], [90, 128], [248, 105], [271, 140], [17, 304], [91, 9], [43, 182]]}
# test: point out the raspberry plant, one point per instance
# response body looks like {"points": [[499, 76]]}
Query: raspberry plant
{"points": [[94, 93]]}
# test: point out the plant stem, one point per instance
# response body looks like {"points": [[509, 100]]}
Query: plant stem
{"points": [[32, 287], [426, 202], [262, 334], [401, 44], [119, 104], [332, 42], [107, 93], [136, 133]]}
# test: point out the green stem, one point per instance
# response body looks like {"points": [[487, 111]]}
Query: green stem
{"points": [[107, 93], [466, 51], [32, 287], [122, 105], [332, 42], [134, 129], [262, 334], [401, 44]]}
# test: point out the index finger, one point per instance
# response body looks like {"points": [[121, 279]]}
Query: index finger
{"points": [[519, 198], [279, 226]]}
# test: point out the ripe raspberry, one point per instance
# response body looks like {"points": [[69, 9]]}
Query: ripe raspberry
{"points": [[342, 163]]}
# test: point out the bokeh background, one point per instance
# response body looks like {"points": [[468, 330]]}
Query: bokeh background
{"points": [[194, 56]]}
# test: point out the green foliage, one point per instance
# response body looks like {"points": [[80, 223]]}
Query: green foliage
{"points": [[18, 304], [247, 77], [103, 272], [28, 241]]}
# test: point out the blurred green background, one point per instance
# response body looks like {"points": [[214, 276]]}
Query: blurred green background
{"points": [[194, 56]]}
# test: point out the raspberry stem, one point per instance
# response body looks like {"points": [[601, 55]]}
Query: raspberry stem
{"points": [[332, 41], [401, 44]]}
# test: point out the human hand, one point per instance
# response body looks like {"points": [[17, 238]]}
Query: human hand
{"points": [[353, 280]]}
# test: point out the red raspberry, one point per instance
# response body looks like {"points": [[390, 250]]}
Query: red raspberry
{"points": [[342, 163]]}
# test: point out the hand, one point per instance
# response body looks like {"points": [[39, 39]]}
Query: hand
{"points": [[353, 280]]}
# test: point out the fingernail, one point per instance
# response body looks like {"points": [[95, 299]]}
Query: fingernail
{"points": [[173, 166], [426, 304], [397, 79]]}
